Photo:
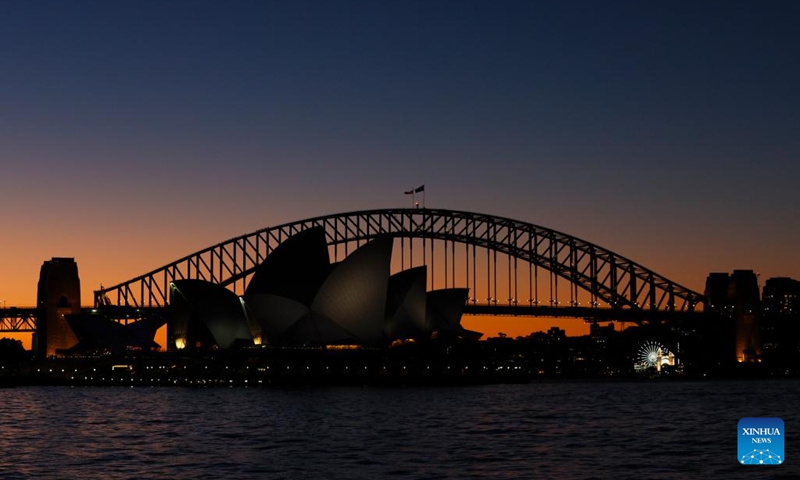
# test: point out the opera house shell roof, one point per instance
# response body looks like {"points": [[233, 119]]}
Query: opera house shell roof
{"points": [[297, 297]]}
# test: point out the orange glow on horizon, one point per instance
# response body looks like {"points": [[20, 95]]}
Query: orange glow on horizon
{"points": [[514, 327], [490, 327], [26, 338]]}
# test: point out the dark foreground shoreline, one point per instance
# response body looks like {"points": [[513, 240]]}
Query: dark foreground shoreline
{"points": [[407, 365], [271, 367]]}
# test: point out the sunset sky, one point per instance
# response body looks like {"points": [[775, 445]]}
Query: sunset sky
{"points": [[134, 133]]}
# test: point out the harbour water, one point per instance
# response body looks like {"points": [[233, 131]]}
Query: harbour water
{"points": [[564, 429]]}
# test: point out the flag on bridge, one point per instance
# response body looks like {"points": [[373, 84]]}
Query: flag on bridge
{"points": [[414, 192]]}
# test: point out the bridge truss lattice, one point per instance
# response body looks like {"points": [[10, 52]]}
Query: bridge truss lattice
{"points": [[490, 255]]}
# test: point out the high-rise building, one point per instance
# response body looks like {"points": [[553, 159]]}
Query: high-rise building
{"points": [[59, 294], [735, 300], [780, 325], [716, 292], [745, 297], [781, 296]]}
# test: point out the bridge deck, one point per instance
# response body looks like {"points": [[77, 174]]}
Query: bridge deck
{"points": [[587, 313], [17, 319], [24, 319]]}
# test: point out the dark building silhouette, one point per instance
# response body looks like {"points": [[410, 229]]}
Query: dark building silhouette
{"points": [[780, 323], [556, 334], [733, 302], [721, 326], [781, 296], [100, 334], [716, 292], [59, 294], [745, 297]]}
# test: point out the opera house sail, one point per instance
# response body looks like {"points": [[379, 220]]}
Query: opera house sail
{"points": [[298, 298], [206, 314], [405, 304]]}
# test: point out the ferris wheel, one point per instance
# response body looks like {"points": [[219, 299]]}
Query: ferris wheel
{"points": [[653, 354]]}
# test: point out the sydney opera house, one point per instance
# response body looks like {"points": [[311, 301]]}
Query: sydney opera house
{"points": [[298, 298]]}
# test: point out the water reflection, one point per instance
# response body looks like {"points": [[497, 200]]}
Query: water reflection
{"points": [[564, 430]]}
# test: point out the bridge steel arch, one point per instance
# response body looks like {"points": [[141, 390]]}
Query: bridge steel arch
{"points": [[611, 280]]}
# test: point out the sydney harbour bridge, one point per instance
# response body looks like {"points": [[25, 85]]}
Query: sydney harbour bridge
{"points": [[510, 268]]}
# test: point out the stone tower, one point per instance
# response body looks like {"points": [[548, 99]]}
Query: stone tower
{"points": [[59, 294]]}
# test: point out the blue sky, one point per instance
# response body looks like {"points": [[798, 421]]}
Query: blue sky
{"points": [[133, 133]]}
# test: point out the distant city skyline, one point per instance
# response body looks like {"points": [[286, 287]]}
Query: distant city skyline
{"points": [[135, 133]]}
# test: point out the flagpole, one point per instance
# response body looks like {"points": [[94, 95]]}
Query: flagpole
{"points": [[413, 194]]}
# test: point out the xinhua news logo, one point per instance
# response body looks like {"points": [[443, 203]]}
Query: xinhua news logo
{"points": [[761, 441]]}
